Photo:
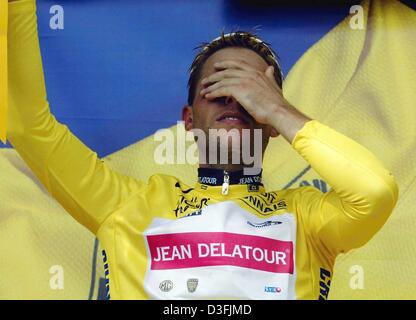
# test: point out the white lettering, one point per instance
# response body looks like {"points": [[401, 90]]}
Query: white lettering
{"points": [[259, 257], [201, 247], [357, 20], [168, 253], [57, 20], [223, 253], [219, 249], [164, 152], [180, 310], [165, 252], [280, 258], [237, 251], [248, 248], [215, 248], [357, 279], [56, 282]]}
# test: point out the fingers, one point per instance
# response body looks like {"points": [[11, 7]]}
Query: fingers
{"points": [[234, 69], [224, 91], [236, 74], [224, 74], [229, 69], [219, 84]]}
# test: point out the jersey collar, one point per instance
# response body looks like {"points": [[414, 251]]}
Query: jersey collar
{"points": [[219, 182], [215, 177]]}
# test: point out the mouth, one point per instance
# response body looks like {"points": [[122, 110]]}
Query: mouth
{"points": [[233, 118]]}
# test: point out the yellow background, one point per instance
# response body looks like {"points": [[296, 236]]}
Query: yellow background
{"points": [[360, 82]]}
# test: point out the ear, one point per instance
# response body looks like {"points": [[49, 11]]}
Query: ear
{"points": [[188, 117]]}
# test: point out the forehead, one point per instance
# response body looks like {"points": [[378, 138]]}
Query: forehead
{"points": [[234, 53]]}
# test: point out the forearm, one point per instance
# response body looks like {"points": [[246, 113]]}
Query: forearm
{"points": [[3, 69], [27, 94], [31, 128]]}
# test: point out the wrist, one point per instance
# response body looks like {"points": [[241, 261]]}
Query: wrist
{"points": [[279, 112], [287, 120]]}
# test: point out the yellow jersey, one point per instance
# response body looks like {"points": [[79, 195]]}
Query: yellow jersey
{"points": [[163, 239]]}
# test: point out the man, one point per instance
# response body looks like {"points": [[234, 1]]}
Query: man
{"points": [[225, 237]]}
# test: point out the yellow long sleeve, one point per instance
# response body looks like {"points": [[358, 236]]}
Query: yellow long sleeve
{"points": [[363, 192], [71, 172], [3, 68]]}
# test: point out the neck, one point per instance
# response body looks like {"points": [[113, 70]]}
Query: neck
{"points": [[222, 167], [253, 167]]}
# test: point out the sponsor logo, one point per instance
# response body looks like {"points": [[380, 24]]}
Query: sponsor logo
{"points": [[193, 203], [107, 275], [272, 289], [253, 188], [207, 180], [324, 284], [264, 224], [250, 180], [192, 214], [265, 203], [178, 185], [166, 285], [202, 249], [192, 284]]}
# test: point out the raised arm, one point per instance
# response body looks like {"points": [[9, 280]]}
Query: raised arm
{"points": [[363, 192], [71, 172]]}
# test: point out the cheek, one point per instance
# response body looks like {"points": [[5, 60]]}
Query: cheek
{"points": [[200, 117], [204, 113]]}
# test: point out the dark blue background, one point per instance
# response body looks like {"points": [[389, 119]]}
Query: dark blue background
{"points": [[119, 69]]}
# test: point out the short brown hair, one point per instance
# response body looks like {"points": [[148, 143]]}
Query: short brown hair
{"points": [[241, 39]]}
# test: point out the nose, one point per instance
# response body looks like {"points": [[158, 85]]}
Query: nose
{"points": [[230, 100], [233, 104]]}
